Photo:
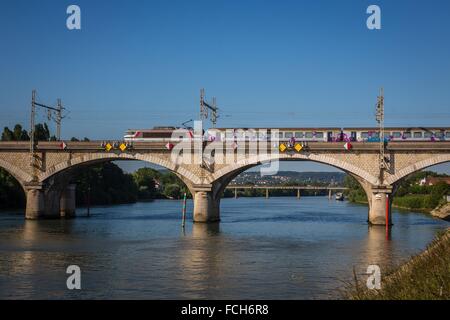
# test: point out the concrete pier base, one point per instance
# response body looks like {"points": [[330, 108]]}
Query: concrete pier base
{"points": [[379, 204], [35, 207], [49, 202], [206, 206], [67, 205]]}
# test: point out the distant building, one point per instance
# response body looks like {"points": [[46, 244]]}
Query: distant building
{"points": [[431, 181]]}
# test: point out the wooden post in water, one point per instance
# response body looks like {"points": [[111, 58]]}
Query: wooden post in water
{"points": [[89, 201], [235, 193], [267, 193], [387, 217], [329, 194], [298, 193], [183, 218]]}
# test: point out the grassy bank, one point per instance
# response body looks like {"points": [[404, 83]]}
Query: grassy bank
{"points": [[425, 276]]}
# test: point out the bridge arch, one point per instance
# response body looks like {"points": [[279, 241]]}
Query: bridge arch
{"points": [[21, 176], [402, 173], [186, 175], [253, 161]]}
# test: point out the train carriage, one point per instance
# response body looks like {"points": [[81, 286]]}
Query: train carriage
{"points": [[357, 134]]}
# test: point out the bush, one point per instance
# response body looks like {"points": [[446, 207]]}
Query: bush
{"points": [[173, 191]]}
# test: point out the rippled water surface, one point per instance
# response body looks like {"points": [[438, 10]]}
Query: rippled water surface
{"points": [[278, 248]]}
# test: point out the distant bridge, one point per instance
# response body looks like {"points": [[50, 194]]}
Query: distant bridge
{"points": [[46, 174], [237, 187]]}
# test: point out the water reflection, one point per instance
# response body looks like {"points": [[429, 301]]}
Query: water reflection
{"points": [[378, 247], [203, 259], [278, 248]]}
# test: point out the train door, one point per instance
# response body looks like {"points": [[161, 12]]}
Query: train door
{"points": [[330, 136], [353, 136]]}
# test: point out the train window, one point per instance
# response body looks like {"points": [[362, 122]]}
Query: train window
{"points": [[319, 135], [427, 134], [447, 134], [157, 135], [364, 135], [288, 135], [308, 135], [396, 134], [280, 135], [406, 135], [417, 135], [299, 135]]}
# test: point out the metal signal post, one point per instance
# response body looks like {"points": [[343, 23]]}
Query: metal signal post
{"points": [[58, 119], [205, 107], [380, 119]]}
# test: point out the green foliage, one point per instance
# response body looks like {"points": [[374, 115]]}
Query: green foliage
{"points": [[145, 179], [105, 184], [172, 191], [41, 133], [354, 193], [18, 134], [170, 185], [409, 193], [11, 193], [421, 197]]}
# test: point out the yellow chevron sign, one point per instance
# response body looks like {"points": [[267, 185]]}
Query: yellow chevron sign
{"points": [[298, 147], [123, 147], [108, 147], [282, 147]]}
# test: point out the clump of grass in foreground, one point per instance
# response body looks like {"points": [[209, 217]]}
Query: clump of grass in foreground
{"points": [[425, 276]]}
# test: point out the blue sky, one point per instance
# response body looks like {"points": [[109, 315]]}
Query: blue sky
{"points": [[269, 63]]}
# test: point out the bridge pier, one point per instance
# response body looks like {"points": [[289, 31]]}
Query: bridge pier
{"points": [[35, 207], [380, 203], [49, 202], [67, 204], [206, 204]]}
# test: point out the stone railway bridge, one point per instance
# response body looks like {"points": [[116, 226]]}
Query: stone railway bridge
{"points": [[49, 193]]}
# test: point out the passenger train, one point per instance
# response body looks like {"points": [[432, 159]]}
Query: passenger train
{"points": [[161, 134]]}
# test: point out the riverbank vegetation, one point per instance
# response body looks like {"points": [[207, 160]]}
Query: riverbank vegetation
{"points": [[426, 276], [409, 195]]}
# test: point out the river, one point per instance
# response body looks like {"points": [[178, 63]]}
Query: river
{"points": [[277, 248]]}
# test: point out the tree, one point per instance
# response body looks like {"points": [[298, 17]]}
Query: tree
{"points": [[11, 193], [41, 132], [172, 191], [7, 135], [145, 179]]}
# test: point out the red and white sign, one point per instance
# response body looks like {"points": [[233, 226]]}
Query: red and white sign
{"points": [[348, 146], [63, 145], [169, 146]]}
